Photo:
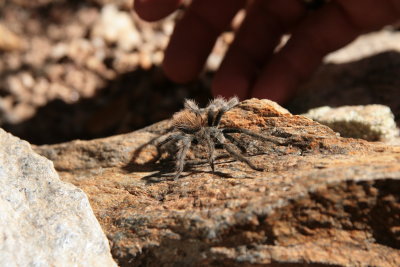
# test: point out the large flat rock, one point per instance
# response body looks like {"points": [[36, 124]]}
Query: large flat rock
{"points": [[322, 199]]}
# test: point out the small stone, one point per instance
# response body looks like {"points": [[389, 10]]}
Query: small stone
{"points": [[370, 122], [10, 41], [59, 50], [126, 62], [12, 61], [41, 86], [80, 50], [94, 64], [14, 85], [74, 31], [58, 90], [88, 15], [21, 112], [38, 100], [39, 51], [27, 80], [145, 61], [116, 26], [158, 57], [54, 32]]}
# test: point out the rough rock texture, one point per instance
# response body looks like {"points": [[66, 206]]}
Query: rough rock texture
{"points": [[370, 122], [323, 199], [43, 221]]}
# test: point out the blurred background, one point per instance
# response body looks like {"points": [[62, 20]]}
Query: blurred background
{"points": [[82, 69]]}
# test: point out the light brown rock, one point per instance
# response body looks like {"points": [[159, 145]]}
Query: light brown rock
{"points": [[369, 122], [323, 199]]}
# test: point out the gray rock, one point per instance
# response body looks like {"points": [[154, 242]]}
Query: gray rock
{"points": [[44, 221], [369, 122]]}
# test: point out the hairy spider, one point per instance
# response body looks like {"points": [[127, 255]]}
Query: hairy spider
{"points": [[194, 125]]}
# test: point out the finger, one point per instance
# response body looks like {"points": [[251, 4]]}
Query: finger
{"points": [[373, 14], [324, 31], [195, 35], [260, 33], [152, 10], [328, 29]]}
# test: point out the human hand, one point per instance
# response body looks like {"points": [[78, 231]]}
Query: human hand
{"points": [[250, 67]]}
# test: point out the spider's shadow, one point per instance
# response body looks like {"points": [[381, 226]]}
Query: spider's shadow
{"points": [[164, 169], [150, 165], [163, 175]]}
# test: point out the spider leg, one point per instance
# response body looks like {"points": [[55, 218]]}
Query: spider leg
{"points": [[211, 116], [237, 155], [176, 136], [253, 134], [211, 150], [180, 158], [217, 107], [218, 117], [236, 142], [192, 106], [231, 103], [172, 137]]}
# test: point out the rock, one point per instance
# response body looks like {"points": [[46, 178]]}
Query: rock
{"points": [[323, 199], [44, 221], [370, 122]]}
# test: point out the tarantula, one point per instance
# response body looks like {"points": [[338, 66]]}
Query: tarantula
{"points": [[195, 125]]}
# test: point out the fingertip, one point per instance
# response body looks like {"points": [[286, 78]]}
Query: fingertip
{"points": [[182, 62], [175, 70], [278, 81], [152, 10], [311, 40], [275, 88], [227, 85]]}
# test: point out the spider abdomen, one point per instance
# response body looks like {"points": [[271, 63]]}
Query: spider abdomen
{"points": [[188, 121]]}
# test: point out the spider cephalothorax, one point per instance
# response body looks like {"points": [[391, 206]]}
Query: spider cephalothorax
{"points": [[194, 125]]}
